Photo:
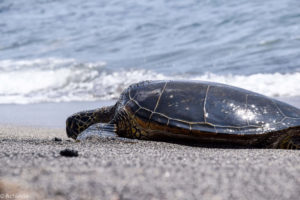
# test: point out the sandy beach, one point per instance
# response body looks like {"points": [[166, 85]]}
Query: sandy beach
{"points": [[112, 168]]}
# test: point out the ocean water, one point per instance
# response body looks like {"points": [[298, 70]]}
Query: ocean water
{"points": [[75, 50]]}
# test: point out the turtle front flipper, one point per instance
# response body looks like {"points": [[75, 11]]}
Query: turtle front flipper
{"points": [[80, 121], [97, 131]]}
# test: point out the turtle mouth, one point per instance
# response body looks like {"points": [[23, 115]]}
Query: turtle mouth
{"points": [[71, 132]]}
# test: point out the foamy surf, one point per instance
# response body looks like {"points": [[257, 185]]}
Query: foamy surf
{"points": [[64, 80]]}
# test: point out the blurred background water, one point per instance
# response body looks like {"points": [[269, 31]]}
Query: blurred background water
{"points": [[79, 50]]}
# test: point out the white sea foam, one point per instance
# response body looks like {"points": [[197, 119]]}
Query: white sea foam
{"points": [[59, 80]]}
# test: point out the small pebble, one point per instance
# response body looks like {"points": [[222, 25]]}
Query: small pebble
{"points": [[56, 139], [69, 153]]}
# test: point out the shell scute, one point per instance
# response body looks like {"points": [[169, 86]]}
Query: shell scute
{"points": [[179, 127], [143, 114], [148, 95], [178, 102], [287, 110], [157, 118], [262, 111], [133, 106]]}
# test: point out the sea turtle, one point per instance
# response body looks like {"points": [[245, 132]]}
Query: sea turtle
{"points": [[197, 111]]}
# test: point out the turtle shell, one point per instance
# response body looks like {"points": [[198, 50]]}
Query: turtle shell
{"points": [[207, 107]]}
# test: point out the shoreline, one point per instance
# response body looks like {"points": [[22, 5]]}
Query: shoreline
{"points": [[48, 115], [53, 115]]}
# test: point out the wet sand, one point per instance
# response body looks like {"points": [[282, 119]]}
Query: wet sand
{"points": [[112, 168]]}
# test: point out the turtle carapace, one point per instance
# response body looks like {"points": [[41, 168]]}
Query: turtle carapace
{"points": [[198, 111]]}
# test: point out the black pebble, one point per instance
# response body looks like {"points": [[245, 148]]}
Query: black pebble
{"points": [[56, 139], [69, 153]]}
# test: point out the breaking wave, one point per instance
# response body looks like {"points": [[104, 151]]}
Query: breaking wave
{"points": [[63, 80]]}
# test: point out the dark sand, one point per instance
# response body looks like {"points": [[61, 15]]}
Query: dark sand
{"points": [[113, 168]]}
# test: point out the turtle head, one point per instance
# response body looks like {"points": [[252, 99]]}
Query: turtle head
{"points": [[80, 121]]}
